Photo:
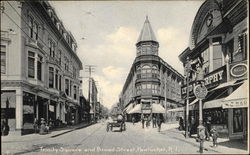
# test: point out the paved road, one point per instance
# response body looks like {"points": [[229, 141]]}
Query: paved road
{"points": [[95, 140]]}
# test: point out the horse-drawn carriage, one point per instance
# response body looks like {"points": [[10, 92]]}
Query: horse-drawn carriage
{"points": [[117, 122]]}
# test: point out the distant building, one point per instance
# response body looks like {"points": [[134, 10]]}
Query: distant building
{"points": [[219, 41], [152, 84], [39, 66]]}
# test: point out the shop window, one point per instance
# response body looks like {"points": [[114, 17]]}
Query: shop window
{"points": [[28, 108], [31, 64], [237, 120], [39, 67], [3, 59], [51, 77]]}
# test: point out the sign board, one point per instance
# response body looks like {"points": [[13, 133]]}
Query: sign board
{"points": [[200, 92], [238, 103], [212, 80], [146, 111], [238, 70]]}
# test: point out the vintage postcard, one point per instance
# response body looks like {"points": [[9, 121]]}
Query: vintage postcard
{"points": [[125, 77]]}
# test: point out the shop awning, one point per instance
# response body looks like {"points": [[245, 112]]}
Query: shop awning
{"points": [[136, 109], [128, 108], [238, 99], [213, 104], [179, 109], [158, 108]]}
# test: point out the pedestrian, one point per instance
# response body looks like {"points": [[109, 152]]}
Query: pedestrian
{"points": [[207, 124], [147, 121], [192, 126], [159, 122], [2, 127], [133, 120], [215, 136], [142, 121], [5, 128], [154, 122], [35, 125], [181, 125]]}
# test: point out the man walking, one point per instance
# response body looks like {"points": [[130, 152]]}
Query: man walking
{"points": [[133, 120], [142, 120], [154, 122]]}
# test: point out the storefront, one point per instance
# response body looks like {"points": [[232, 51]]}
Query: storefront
{"points": [[8, 108]]}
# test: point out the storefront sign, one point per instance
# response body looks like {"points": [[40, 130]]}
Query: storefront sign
{"points": [[239, 103], [212, 80], [146, 111], [238, 70]]}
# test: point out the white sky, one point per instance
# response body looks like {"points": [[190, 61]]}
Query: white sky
{"points": [[112, 28]]}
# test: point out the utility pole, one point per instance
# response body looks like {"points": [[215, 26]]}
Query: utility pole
{"points": [[90, 69], [187, 71]]}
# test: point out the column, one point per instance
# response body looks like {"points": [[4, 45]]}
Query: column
{"points": [[211, 65], [19, 109]]}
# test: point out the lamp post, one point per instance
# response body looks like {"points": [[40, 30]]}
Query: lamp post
{"points": [[187, 71], [200, 91]]}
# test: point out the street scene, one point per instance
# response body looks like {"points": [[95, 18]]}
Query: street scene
{"points": [[124, 77]]}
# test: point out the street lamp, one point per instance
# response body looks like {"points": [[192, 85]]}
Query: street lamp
{"points": [[200, 91]]}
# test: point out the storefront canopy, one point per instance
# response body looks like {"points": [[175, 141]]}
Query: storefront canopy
{"points": [[128, 108], [136, 109], [157, 108], [179, 109], [238, 99]]}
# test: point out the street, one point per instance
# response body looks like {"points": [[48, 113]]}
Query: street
{"points": [[95, 140]]}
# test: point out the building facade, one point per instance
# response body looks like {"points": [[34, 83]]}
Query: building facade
{"points": [[152, 85], [39, 66], [218, 42]]}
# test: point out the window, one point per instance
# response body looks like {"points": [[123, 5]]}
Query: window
{"points": [[3, 59], [31, 64], [51, 48], [56, 79], [74, 72], [229, 50], [60, 57], [70, 88], [205, 56], [217, 53], [35, 30], [66, 64], [39, 67], [60, 82], [67, 86], [241, 53], [51, 77], [31, 22], [75, 92]]}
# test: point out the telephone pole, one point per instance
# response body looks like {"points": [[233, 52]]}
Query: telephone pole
{"points": [[90, 69]]}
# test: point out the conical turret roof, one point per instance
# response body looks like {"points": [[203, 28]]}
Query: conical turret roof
{"points": [[147, 33]]}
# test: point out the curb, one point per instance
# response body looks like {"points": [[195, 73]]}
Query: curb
{"points": [[71, 130]]}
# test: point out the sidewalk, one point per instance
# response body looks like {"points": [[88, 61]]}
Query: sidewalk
{"points": [[53, 133]]}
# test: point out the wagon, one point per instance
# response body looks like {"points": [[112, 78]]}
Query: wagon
{"points": [[116, 123]]}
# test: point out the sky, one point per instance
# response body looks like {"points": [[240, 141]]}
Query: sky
{"points": [[106, 33]]}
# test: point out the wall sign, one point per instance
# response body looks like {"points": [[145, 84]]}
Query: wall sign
{"points": [[238, 70], [213, 79]]}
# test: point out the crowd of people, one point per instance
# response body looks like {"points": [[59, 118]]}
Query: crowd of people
{"points": [[157, 121], [210, 131]]}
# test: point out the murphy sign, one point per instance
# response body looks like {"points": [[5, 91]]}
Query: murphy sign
{"points": [[213, 79]]}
